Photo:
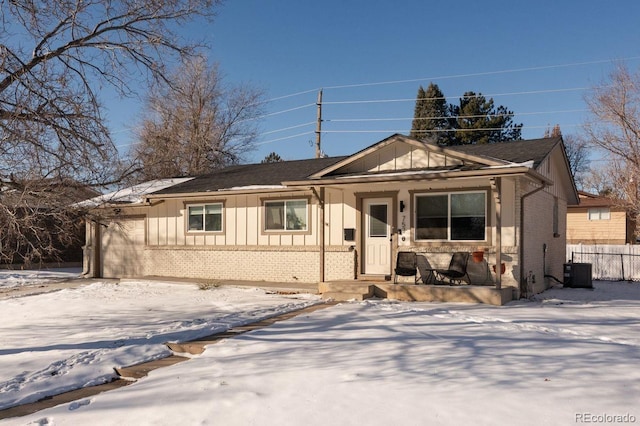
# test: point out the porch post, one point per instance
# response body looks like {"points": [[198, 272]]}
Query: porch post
{"points": [[321, 230], [496, 189]]}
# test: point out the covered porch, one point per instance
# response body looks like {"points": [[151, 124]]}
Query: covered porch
{"points": [[364, 289]]}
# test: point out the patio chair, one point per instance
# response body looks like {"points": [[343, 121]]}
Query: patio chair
{"points": [[406, 265], [457, 269]]}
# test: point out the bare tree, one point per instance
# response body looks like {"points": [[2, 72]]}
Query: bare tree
{"points": [[56, 57], [578, 155], [197, 123], [614, 127]]}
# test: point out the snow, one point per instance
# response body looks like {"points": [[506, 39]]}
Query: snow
{"points": [[17, 278], [569, 356], [133, 195]]}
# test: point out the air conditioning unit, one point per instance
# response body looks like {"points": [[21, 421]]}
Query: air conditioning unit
{"points": [[578, 275]]}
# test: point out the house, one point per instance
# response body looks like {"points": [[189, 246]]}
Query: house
{"points": [[599, 220], [341, 221], [36, 228]]}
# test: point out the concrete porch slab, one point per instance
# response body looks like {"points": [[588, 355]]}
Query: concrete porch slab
{"points": [[425, 293]]}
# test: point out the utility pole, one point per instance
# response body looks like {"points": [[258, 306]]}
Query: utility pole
{"points": [[319, 125]]}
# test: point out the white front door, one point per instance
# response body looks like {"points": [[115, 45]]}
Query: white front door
{"points": [[377, 236]]}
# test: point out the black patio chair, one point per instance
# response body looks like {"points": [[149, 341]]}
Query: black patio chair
{"points": [[457, 269], [406, 265]]}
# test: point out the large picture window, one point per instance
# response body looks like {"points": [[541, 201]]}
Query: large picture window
{"points": [[205, 217], [454, 216], [286, 215]]}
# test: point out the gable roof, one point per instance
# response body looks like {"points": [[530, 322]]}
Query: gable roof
{"points": [[535, 150], [505, 158], [593, 200], [252, 176]]}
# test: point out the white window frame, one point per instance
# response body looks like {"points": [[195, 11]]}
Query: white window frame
{"points": [[285, 228], [599, 213], [204, 209], [448, 194]]}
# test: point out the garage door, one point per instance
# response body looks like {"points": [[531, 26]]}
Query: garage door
{"points": [[122, 247]]}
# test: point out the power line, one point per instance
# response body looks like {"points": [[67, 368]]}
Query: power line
{"points": [[529, 92], [347, 120], [278, 112], [283, 138], [451, 76], [477, 74], [406, 131], [289, 128]]}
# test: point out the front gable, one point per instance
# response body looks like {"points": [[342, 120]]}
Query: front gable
{"points": [[402, 153]]}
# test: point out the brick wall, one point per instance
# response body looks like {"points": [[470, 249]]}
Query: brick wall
{"points": [[340, 263], [290, 264]]}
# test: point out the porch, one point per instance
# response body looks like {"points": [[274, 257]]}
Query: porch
{"points": [[360, 290]]}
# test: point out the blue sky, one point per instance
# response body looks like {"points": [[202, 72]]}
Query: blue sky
{"points": [[537, 58]]}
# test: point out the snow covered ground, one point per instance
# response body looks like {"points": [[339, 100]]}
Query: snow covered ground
{"points": [[569, 357], [16, 278]]}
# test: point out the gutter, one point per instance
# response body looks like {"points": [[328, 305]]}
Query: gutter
{"points": [[396, 177], [223, 192]]}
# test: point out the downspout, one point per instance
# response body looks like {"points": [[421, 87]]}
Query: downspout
{"points": [[521, 251]]}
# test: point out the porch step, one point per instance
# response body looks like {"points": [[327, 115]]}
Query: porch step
{"points": [[343, 291], [341, 296]]}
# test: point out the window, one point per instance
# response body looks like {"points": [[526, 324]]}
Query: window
{"points": [[205, 217], [454, 216], [289, 215], [599, 213], [378, 220]]}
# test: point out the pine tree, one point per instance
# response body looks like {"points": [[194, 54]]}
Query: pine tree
{"points": [[479, 122], [273, 157], [431, 115]]}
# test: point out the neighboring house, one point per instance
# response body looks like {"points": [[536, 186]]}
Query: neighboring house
{"points": [[345, 218], [38, 202], [599, 220]]}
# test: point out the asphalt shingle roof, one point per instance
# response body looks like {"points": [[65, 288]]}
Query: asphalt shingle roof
{"points": [[515, 151], [253, 174], [266, 174]]}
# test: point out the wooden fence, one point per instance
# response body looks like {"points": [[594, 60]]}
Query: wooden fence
{"points": [[609, 262]]}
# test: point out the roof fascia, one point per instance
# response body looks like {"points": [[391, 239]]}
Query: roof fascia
{"points": [[574, 189], [464, 174], [220, 192]]}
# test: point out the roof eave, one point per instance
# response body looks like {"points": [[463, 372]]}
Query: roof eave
{"points": [[459, 174], [219, 193]]}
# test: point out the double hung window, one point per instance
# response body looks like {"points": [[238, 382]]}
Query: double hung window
{"points": [[599, 213]]}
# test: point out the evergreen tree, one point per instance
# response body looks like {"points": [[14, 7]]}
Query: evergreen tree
{"points": [[431, 115], [478, 121], [273, 157], [475, 120]]}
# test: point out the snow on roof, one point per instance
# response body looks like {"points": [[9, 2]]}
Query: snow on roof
{"points": [[133, 194]]}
